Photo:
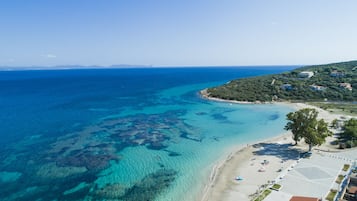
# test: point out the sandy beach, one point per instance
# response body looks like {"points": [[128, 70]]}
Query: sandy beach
{"points": [[256, 165], [246, 170]]}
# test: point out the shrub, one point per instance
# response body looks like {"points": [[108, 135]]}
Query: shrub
{"points": [[339, 179], [345, 167], [331, 195], [263, 195]]}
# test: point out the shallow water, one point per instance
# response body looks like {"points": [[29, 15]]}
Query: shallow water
{"points": [[121, 134]]}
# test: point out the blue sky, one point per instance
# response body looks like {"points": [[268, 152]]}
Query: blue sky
{"points": [[177, 32]]}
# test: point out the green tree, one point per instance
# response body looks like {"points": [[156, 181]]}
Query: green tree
{"points": [[350, 130], [304, 125], [317, 134], [334, 124], [299, 122]]}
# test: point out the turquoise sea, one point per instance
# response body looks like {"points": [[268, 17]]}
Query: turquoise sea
{"points": [[122, 134]]}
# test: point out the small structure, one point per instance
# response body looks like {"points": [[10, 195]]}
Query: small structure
{"points": [[336, 73], [351, 193], [347, 86], [352, 190], [286, 87], [301, 198], [317, 87], [306, 74], [261, 169]]}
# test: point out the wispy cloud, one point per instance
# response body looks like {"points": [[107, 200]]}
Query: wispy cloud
{"points": [[49, 56]]}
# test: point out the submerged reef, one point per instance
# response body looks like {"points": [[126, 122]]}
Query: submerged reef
{"points": [[55, 168], [151, 186], [146, 189]]}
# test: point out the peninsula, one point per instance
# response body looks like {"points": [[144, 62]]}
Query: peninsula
{"points": [[334, 82]]}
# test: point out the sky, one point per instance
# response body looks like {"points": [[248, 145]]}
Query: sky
{"points": [[177, 32]]}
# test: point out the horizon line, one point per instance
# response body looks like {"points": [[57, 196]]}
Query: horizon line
{"points": [[93, 66], [78, 67]]}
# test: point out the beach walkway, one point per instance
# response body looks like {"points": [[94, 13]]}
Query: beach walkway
{"points": [[314, 176]]}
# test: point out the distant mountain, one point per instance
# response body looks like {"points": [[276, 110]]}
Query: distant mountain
{"points": [[329, 82], [71, 67]]}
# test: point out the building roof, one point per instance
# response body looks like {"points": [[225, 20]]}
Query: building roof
{"points": [[317, 87], [352, 190], [337, 74], [305, 74], [300, 198]]}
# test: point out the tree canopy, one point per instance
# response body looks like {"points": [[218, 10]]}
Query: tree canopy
{"points": [[350, 129], [304, 125]]}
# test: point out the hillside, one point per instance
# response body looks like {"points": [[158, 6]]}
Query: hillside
{"points": [[330, 82]]}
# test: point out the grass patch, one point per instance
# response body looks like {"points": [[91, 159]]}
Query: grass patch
{"points": [[276, 187], [338, 108], [339, 179], [331, 195], [345, 167], [263, 195]]}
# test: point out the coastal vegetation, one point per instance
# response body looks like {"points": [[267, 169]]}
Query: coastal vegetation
{"points": [[263, 195], [331, 195], [348, 134], [350, 130], [276, 187], [304, 125], [330, 82], [345, 167], [344, 108], [339, 178]]}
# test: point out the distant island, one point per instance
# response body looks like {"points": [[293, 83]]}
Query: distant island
{"points": [[329, 82]]}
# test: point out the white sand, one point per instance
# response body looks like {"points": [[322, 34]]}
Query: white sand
{"points": [[246, 164]]}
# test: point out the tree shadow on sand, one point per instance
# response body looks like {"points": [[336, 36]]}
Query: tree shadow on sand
{"points": [[282, 151]]}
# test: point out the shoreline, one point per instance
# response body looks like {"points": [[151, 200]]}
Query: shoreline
{"points": [[205, 95], [240, 161], [235, 155], [323, 114], [223, 171]]}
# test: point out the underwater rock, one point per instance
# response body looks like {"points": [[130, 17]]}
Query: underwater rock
{"points": [[88, 160], [52, 171], [216, 138], [79, 187], [219, 117], [161, 165], [110, 191], [9, 176], [201, 113], [150, 186], [190, 137], [172, 153], [156, 146], [25, 194], [75, 196], [273, 117]]}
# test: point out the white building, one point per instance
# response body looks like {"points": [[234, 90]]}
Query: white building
{"points": [[317, 87], [287, 87], [306, 74], [336, 73], [347, 86]]}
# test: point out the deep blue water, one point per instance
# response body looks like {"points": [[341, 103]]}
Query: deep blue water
{"points": [[47, 102], [61, 130]]}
